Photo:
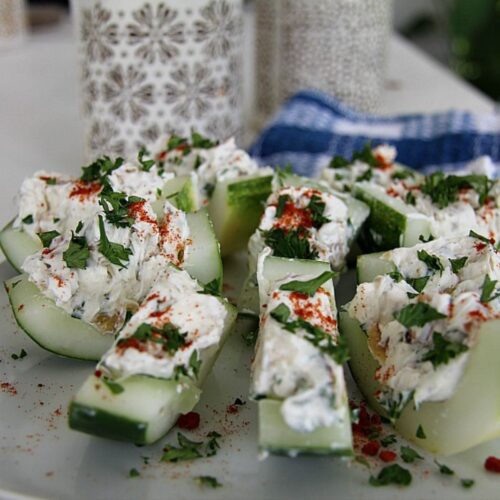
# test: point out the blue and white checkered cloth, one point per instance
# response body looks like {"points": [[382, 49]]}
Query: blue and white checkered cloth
{"points": [[312, 127]]}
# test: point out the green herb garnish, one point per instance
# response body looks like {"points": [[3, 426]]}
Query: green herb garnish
{"points": [[420, 433], [77, 253], [21, 355], [51, 181], [392, 474], [146, 165], [28, 219], [409, 455], [317, 208], [480, 237], [47, 237], [207, 481], [418, 283], [308, 287], [113, 386], [198, 141], [443, 189], [457, 264], [116, 207], [195, 364], [291, 244], [467, 483], [417, 315], [100, 168], [444, 469], [133, 473], [168, 336], [443, 350], [339, 162], [403, 174], [212, 288], [388, 440], [431, 261], [187, 450], [423, 239], [212, 444], [365, 176], [410, 198], [117, 254], [282, 201], [488, 289]]}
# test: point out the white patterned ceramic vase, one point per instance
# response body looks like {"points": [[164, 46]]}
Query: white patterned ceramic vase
{"points": [[338, 46], [12, 22], [154, 67]]}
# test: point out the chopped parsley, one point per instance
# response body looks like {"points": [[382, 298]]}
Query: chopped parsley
{"points": [[392, 474], [282, 201], [77, 253], [388, 440], [308, 287], [133, 473], [403, 174], [366, 176], [365, 155], [488, 289], [423, 239], [431, 261], [113, 386], [339, 162], [317, 208], [480, 237], [117, 254], [47, 237], [418, 283], [195, 364], [291, 244], [21, 355], [395, 404], [457, 264], [443, 350], [250, 338], [100, 168], [410, 198], [51, 181], [207, 481], [28, 219], [198, 141], [187, 450], [79, 227], [443, 189], [209, 189], [396, 276], [420, 433], [467, 483], [116, 207], [409, 455], [318, 337], [146, 165], [212, 288], [417, 315], [444, 469], [168, 336]]}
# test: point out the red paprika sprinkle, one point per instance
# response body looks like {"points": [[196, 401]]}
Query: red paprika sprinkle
{"points": [[492, 464], [98, 373], [189, 421], [387, 456], [371, 448]]}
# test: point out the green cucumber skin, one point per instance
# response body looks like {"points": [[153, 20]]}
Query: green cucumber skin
{"points": [[103, 424], [23, 311], [16, 256], [468, 418], [236, 209], [384, 226]]}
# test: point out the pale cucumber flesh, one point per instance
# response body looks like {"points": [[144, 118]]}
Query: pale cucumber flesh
{"points": [[276, 437], [371, 265], [471, 416], [50, 326], [17, 245]]}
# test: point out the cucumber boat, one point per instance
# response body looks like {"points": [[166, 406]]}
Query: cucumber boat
{"points": [[448, 341], [297, 375], [155, 369], [54, 328]]}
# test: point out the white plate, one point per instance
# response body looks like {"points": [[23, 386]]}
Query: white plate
{"points": [[41, 457]]}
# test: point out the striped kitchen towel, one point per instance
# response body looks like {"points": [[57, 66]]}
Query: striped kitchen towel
{"points": [[311, 127]]}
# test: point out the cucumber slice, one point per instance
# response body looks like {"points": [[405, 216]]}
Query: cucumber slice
{"points": [[147, 407], [203, 261], [17, 245], [142, 413], [55, 330], [277, 438], [50, 326], [236, 208], [371, 265], [391, 222], [182, 192], [470, 417]]}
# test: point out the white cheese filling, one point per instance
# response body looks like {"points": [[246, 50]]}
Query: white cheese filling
{"points": [[173, 299], [456, 295], [102, 292], [289, 367], [329, 240]]}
